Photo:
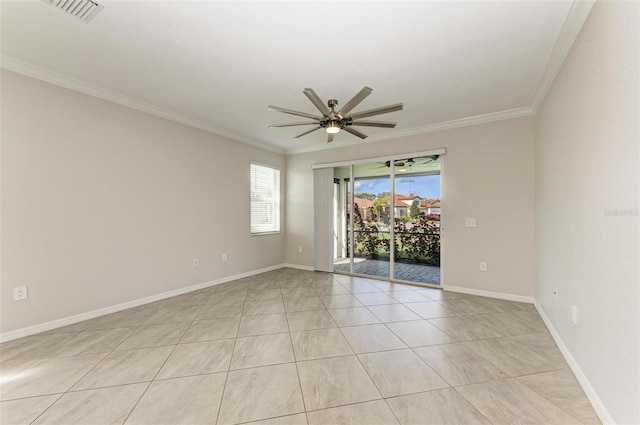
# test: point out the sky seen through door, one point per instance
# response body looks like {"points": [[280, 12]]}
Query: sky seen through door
{"points": [[427, 187]]}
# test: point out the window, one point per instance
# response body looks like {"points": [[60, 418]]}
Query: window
{"points": [[265, 199]]}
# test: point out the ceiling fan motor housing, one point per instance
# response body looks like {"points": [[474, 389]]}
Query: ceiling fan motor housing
{"points": [[334, 120]]}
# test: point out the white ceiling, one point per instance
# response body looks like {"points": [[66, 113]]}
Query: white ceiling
{"points": [[218, 65]]}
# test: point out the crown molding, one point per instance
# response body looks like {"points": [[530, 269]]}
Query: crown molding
{"points": [[431, 128], [578, 14], [574, 21], [32, 71]]}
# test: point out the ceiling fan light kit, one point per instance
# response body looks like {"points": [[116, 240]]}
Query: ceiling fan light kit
{"points": [[331, 127], [333, 121]]}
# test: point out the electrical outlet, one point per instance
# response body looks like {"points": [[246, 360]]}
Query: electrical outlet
{"points": [[224, 256], [483, 266], [196, 262], [300, 248], [574, 314], [20, 293], [470, 222]]}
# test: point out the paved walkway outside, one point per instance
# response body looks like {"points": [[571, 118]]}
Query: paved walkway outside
{"points": [[403, 271]]}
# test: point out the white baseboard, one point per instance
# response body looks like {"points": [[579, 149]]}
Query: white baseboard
{"points": [[499, 295], [590, 392], [58, 323], [298, 266]]}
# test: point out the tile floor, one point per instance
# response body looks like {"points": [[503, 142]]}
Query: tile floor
{"points": [[293, 347]]}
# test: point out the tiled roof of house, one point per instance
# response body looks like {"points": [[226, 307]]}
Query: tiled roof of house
{"points": [[362, 203], [430, 203], [405, 197], [401, 201]]}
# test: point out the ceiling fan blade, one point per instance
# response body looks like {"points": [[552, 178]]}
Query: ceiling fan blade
{"points": [[432, 158], [355, 132], [317, 102], [330, 137], [374, 124], [377, 111], [307, 132], [359, 97], [291, 124], [289, 111]]}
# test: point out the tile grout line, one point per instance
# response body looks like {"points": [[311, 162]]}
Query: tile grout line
{"points": [[417, 355], [470, 404], [412, 349], [543, 396], [523, 323], [295, 361], [163, 363], [362, 366], [48, 407], [235, 341], [423, 361]]}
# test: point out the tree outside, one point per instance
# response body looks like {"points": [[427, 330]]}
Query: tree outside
{"points": [[417, 237], [414, 212]]}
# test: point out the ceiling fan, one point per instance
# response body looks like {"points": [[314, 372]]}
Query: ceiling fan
{"points": [[399, 163], [333, 121], [410, 162]]}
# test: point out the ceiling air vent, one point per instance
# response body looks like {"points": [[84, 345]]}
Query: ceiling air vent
{"points": [[85, 10]]}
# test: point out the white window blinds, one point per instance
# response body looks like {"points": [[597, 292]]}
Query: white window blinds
{"points": [[265, 199]]}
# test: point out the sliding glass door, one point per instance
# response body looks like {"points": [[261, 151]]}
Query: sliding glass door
{"points": [[387, 219], [371, 220], [417, 208]]}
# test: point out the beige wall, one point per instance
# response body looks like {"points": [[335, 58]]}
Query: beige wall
{"points": [[488, 174], [102, 204], [587, 167]]}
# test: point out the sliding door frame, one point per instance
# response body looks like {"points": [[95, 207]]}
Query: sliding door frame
{"points": [[440, 151], [350, 232], [392, 158]]}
